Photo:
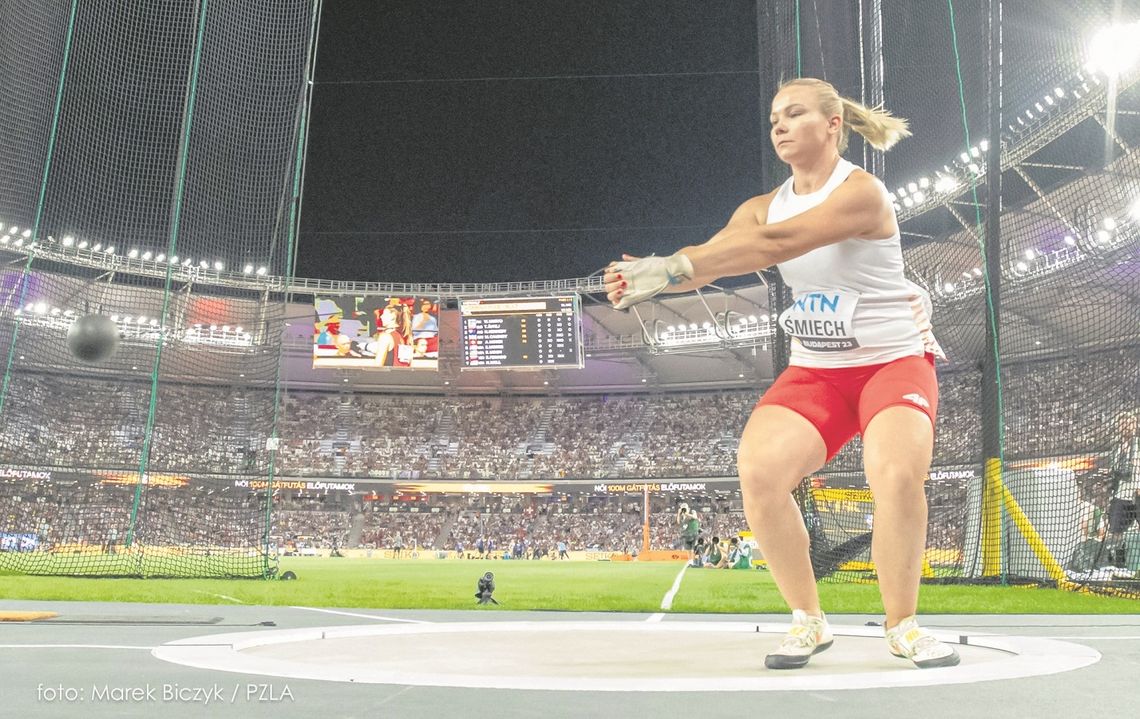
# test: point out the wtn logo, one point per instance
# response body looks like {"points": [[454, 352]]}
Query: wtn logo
{"points": [[817, 302]]}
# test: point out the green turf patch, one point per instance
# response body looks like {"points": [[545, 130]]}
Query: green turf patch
{"points": [[541, 585]]}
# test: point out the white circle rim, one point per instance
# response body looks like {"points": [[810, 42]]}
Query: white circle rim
{"points": [[1028, 657]]}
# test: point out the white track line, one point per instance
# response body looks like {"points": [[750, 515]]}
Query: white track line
{"points": [[667, 602], [656, 617], [69, 646], [363, 616], [219, 596]]}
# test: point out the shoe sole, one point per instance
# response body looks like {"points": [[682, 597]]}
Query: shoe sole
{"points": [[950, 660], [785, 661]]}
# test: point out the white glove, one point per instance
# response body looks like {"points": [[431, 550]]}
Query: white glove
{"points": [[650, 276]]}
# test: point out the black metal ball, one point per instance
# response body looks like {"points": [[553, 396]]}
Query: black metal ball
{"points": [[92, 338]]}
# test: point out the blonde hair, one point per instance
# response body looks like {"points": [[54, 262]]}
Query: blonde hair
{"points": [[878, 127]]}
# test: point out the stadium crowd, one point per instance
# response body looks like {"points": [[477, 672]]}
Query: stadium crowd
{"points": [[223, 430]]}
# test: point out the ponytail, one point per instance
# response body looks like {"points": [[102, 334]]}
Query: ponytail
{"points": [[878, 127]]}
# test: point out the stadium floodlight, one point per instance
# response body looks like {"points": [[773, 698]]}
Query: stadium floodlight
{"points": [[55, 311], [27, 232], [174, 259], [141, 319], [1021, 266], [247, 270], [1109, 223], [984, 145], [1030, 254], [147, 255], [670, 328], [110, 249], [41, 308], [69, 313], [204, 265], [1058, 92], [919, 196], [975, 169], [261, 271], [901, 192], [924, 183], [114, 318], [188, 261], [5, 239], [225, 328], [752, 318], [133, 253], [909, 202], [949, 287], [238, 329], [219, 265], [912, 187], [19, 242], [1114, 50], [1049, 100], [154, 322], [82, 244], [1103, 237], [97, 247], [160, 257], [693, 326], [68, 241], [1070, 241], [965, 157]]}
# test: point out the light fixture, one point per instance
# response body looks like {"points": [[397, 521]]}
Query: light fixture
{"points": [[1114, 50]]}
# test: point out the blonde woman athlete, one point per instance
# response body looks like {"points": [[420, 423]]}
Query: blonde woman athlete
{"points": [[862, 358]]}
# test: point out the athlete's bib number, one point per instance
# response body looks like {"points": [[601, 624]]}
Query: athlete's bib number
{"points": [[822, 321]]}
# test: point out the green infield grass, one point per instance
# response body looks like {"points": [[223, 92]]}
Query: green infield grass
{"points": [[540, 585]]}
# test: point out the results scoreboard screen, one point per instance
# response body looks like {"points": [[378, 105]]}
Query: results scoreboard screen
{"points": [[521, 332]]}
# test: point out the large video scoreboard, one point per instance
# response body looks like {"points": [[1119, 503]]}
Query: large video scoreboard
{"points": [[521, 332]]}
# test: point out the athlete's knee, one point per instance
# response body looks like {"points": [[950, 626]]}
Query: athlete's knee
{"points": [[896, 483], [764, 480]]}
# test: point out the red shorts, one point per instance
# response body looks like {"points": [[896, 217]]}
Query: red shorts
{"points": [[841, 402]]}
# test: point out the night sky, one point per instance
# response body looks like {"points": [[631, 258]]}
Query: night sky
{"points": [[505, 140]]}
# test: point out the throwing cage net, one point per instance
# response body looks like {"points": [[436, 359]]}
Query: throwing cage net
{"points": [[150, 167]]}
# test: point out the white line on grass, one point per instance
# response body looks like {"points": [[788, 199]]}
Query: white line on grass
{"points": [[219, 596], [364, 616], [667, 602]]}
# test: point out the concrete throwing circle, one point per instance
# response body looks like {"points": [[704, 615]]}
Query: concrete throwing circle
{"points": [[606, 656]]}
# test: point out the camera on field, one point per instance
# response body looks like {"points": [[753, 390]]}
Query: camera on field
{"points": [[485, 588]]}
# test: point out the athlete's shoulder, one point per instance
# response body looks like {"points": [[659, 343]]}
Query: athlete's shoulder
{"points": [[758, 205]]}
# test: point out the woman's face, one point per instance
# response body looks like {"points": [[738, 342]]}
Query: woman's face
{"points": [[800, 130], [388, 317]]}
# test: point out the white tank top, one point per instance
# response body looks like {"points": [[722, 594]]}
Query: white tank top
{"points": [[851, 304]]}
